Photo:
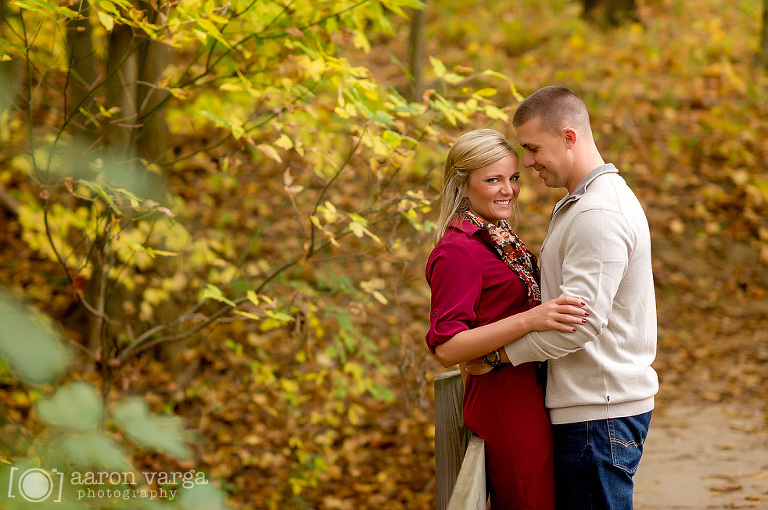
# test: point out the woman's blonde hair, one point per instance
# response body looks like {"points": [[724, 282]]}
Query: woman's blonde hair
{"points": [[472, 150]]}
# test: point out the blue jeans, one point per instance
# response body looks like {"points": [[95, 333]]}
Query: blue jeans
{"points": [[595, 462]]}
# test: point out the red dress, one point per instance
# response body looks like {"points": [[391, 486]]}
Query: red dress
{"points": [[471, 286]]}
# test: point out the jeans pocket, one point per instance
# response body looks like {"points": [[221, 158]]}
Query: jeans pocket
{"points": [[627, 438]]}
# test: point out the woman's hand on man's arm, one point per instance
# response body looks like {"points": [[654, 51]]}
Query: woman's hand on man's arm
{"points": [[562, 314]]}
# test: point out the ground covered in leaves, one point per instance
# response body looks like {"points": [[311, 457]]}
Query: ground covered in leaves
{"points": [[678, 105]]}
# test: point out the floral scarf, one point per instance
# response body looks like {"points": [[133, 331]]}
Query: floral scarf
{"points": [[513, 252]]}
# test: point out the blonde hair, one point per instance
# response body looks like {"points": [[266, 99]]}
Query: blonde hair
{"points": [[472, 150]]}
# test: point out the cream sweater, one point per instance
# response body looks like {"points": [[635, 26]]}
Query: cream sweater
{"points": [[598, 248]]}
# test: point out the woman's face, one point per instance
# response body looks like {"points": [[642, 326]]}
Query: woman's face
{"points": [[492, 190]]}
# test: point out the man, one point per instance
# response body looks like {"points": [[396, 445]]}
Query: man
{"points": [[600, 384]]}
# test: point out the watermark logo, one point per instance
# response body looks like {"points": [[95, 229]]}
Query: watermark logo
{"points": [[40, 486], [36, 485]]}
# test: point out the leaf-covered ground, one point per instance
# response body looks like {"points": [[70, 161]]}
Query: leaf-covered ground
{"points": [[677, 104]]}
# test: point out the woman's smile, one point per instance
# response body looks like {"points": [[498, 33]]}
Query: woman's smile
{"points": [[493, 189]]}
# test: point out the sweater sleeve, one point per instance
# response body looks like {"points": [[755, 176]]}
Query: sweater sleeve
{"points": [[594, 255], [456, 286]]}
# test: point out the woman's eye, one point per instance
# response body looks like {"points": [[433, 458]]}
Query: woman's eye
{"points": [[514, 178]]}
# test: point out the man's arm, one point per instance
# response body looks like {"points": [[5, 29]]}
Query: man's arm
{"points": [[594, 254]]}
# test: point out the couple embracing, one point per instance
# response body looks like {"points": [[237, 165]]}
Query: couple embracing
{"points": [[591, 315]]}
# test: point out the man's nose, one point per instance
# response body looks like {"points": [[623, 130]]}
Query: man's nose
{"points": [[528, 161]]}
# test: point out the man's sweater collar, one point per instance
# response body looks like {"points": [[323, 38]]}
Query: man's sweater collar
{"points": [[581, 189]]}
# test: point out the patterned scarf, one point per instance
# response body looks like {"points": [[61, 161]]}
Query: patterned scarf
{"points": [[513, 252]]}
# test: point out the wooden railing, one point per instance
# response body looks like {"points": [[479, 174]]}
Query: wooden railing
{"points": [[459, 455]]}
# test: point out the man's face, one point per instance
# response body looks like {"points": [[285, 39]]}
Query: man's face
{"points": [[545, 152]]}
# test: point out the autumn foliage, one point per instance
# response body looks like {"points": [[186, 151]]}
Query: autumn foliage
{"points": [[224, 210]]}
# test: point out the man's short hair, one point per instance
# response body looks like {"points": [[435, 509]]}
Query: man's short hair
{"points": [[557, 107]]}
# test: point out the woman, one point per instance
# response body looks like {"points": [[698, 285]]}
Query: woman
{"points": [[485, 288]]}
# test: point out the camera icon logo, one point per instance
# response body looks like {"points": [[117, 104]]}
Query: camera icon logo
{"points": [[36, 485]]}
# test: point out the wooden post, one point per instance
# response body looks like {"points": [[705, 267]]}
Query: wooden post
{"points": [[471, 492], [451, 436]]}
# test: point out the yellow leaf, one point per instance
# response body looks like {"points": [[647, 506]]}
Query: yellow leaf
{"points": [[269, 151], [357, 229], [378, 296], [486, 92], [231, 87], [495, 74], [495, 113], [107, 21], [284, 142], [437, 66], [248, 315], [372, 235], [329, 212], [341, 112], [453, 78], [354, 416], [361, 41]]}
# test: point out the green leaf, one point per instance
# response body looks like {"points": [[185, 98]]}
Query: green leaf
{"points": [[161, 433], [28, 344], [213, 292], [392, 138], [202, 497], [5, 42], [75, 406], [93, 449], [37, 5]]}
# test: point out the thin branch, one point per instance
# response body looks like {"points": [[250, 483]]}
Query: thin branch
{"points": [[313, 229], [48, 234], [9, 202]]}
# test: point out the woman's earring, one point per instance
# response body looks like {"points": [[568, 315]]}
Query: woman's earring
{"points": [[463, 205]]}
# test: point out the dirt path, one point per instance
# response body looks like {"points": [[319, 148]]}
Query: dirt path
{"points": [[700, 457]]}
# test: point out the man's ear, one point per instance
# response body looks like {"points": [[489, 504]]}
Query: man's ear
{"points": [[569, 137]]}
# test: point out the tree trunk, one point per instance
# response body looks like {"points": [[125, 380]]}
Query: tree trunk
{"points": [[10, 74], [83, 73], [152, 139], [764, 37], [613, 12], [122, 72], [416, 51]]}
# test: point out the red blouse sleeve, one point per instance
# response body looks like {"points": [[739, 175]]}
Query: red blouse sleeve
{"points": [[456, 285]]}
